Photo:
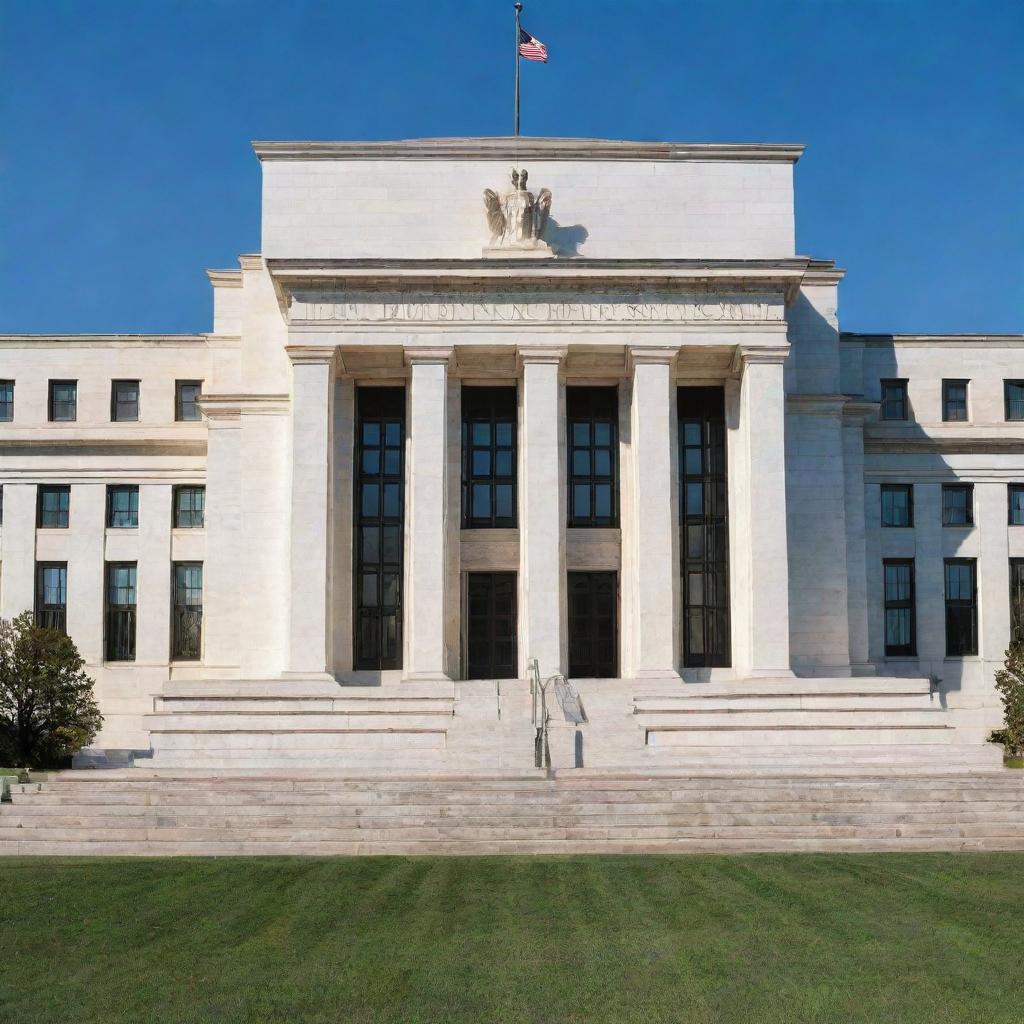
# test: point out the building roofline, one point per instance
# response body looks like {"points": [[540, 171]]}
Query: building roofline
{"points": [[508, 147], [14, 340], [852, 337]]}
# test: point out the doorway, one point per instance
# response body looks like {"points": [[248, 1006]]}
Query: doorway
{"points": [[593, 622], [491, 625]]}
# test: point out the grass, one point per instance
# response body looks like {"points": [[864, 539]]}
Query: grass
{"points": [[752, 940]]}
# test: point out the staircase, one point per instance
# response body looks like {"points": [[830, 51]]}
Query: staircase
{"points": [[178, 812]]}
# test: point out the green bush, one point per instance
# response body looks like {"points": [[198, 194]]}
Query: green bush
{"points": [[47, 708], [1010, 686]]}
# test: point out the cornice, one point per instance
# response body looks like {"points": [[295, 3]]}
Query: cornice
{"points": [[823, 272], [816, 405], [232, 407], [551, 354], [529, 148], [80, 446], [926, 340], [647, 355], [311, 354], [225, 278], [102, 340], [435, 354], [748, 354], [944, 445]]}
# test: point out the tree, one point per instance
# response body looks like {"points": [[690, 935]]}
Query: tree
{"points": [[1010, 686], [47, 708]]}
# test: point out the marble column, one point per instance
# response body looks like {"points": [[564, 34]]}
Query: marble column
{"points": [[854, 415], [310, 629], [651, 531], [762, 426], [542, 600], [425, 597]]}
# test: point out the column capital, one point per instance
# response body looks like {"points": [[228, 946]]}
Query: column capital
{"points": [[745, 355], [661, 355], [312, 354], [435, 354], [541, 354]]}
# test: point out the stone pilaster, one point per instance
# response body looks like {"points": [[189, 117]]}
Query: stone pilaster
{"points": [[762, 428], [542, 602], [854, 414], [426, 516], [19, 548], [310, 631], [650, 526]]}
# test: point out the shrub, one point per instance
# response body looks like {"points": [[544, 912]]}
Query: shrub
{"points": [[47, 709], [1010, 686]]}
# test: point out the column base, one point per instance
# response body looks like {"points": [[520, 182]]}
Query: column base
{"points": [[314, 676], [670, 675], [427, 677]]}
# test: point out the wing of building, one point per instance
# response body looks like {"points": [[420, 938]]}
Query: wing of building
{"points": [[599, 414]]}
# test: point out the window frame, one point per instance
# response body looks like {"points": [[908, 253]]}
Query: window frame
{"points": [[176, 511], [65, 513], [890, 489], [132, 490], [122, 615], [179, 405], [902, 383], [1017, 598], [115, 400], [596, 405], [947, 385], [186, 622], [45, 614], [952, 605], [52, 401], [909, 603], [968, 489], [1011, 491], [6, 406], [493, 410], [1007, 384]]}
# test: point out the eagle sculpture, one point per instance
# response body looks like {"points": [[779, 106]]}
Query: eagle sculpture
{"points": [[517, 218]]}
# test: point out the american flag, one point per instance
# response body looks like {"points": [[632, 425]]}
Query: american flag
{"points": [[530, 48]]}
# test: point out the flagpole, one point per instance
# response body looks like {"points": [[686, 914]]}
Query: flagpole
{"points": [[518, 7]]}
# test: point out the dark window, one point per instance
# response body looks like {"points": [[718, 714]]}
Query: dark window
{"points": [[63, 401], [187, 611], [592, 416], [488, 457], [1, 504], [186, 399], [1017, 598], [894, 400], [123, 507], [120, 617], [124, 401], [54, 505], [6, 401], [704, 527], [954, 400], [593, 613], [189, 507], [378, 523], [52, 595], [1014, 397], [961, 607], [491, 625], [1015, 495], [957, 504], [897, 505], [900, 633]]}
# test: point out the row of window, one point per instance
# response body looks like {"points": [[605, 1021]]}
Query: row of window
{"points": [[957, 504], [53, 506], [120, 603], [62, 401], [955, 409], [961, 596]]}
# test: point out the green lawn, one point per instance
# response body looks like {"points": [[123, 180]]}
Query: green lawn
{"points": [[930, 938]]}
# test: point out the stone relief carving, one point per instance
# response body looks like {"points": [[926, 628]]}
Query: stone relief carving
{"points": [[517, 218]]}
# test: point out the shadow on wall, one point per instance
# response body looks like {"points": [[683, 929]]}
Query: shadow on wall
{"points": [[564, 239]]}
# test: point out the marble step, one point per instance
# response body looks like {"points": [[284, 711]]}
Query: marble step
{"points": [[296, 722], [790, 702], [342, 704], [756, 733]]}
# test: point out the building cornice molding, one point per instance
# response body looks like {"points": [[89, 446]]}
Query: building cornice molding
{"points": [[816, 405], [651, 355], [225, 278], [746, 355], [436, 354], [926, 340], [312, 354], [233, 407], [115, 446], [551, 354], [102, 340], [529, 148]]}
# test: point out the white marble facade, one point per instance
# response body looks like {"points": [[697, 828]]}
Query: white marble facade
{"points": [[673, 265]]}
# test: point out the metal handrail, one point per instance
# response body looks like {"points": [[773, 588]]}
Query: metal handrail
{"points": [[539, 699]]}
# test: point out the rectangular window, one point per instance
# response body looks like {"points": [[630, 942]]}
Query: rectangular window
{"points": [[123, 507], [124, 401], [1014, 397], [488, 457], [6, 401], [704, 527], [1015, 495], [954, 400], [120, 611], [378, 524], [1, 504], [592, 420], [900, 632], [1017, 598], [52, 595], [186, 400], [187, 611], [894, 400], [897, 504], [958, 504], [63, 404], [189, 507], [961, 607], [53, 507]]}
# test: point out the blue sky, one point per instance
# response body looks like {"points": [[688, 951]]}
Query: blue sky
{"points": [[125, 166]]}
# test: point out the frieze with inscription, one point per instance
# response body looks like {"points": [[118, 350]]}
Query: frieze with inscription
{"points": [[417, 307]]}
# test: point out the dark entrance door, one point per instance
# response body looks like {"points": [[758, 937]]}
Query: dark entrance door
{"points": [[593, 614], [378, 519], [491, 625]]}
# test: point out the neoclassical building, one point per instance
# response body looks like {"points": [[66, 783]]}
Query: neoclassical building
{"points": [[599, 414]]}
